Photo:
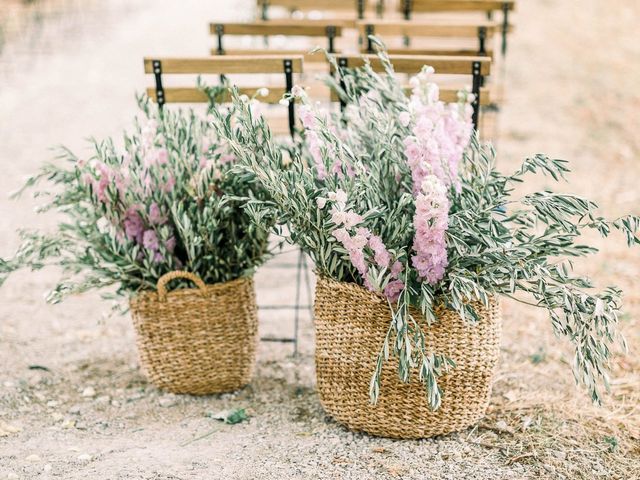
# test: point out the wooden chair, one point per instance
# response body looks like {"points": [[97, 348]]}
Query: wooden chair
{"points": [[488, 7], [483, 31], [287, 66], [477, 68], [350, 8], [331, 30]]}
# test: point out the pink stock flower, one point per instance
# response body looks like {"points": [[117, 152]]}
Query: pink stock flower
{"points": [[381, 255], [430, 222], [396, 269], [404, 118], [133, 225], [171, 244], [307, 117], [150, 240], [351, 219], [171, 182], [393, 290], [162, 156], [155, 215]]}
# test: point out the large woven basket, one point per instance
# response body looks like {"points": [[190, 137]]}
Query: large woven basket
{"points": [[197, 340], [351, 324]]}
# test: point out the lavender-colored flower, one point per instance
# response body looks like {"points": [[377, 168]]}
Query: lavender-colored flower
{"points": [[150, 240]]}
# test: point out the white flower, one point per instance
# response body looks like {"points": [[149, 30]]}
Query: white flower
{"points": [[263, 92], [338, 216], [321, 202], [244, 98], [341, 196], [404, 118], [297, 91], [284, 102]]}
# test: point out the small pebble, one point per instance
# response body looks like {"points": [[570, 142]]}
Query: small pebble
{"points": [[103, 400], [502, 425], [47, 468], [12, 476], [85, 457], [75, 410], [52, 403], [167, 401], [89, 392], [33, 458]]}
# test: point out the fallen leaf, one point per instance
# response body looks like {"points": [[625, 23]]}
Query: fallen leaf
{"points": [[231, 417], [379, 450]]}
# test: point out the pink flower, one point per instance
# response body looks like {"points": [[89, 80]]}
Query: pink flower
{"points": [[341, 235], [430, 222], [162, 156], [404, 118], [155, 215], [171, 182], [351, 219], [338, 216], [307, 117], [358, 261], [381, 255], [150, 240], [133, 225], [171, 244], [396, 269], [393, 290], [321, 202]]}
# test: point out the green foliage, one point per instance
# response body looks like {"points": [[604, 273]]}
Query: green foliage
{"points": [[498, 244], [166, 201]]}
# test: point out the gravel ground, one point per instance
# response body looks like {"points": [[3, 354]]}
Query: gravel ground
{"points": [[73, 403]]}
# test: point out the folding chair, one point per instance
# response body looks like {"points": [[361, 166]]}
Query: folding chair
{"points": [[488, 7], [287, 66], [347, 8], [330, 30], [476, 68]]}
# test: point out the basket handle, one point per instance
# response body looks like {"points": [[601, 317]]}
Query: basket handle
{"points": [[167, 277]]}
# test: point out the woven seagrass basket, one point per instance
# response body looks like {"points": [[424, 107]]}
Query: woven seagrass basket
{"points": [[198, 340], [351, 324]]}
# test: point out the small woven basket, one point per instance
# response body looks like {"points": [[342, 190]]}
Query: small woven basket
{"points": [[351, 324], [197, 340]]}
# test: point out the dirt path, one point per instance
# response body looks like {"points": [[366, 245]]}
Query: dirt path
{"points": [[572, 77]]}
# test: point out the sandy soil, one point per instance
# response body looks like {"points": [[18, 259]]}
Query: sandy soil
{"points": [[73, 403]]}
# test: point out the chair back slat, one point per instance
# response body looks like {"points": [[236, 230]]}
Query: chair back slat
{"points": [[431, 28], [224, 65], [424, 6], [307, 28], [443, 64], [447, 94], [194, 95]]}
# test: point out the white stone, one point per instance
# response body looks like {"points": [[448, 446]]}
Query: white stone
{"points": [[33, 458], [89, 392]]}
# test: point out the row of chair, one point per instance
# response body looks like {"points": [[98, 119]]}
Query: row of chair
{"points": [[482, 32], [476, 68]]}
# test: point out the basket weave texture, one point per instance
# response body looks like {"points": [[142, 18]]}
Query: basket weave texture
{"points": [[351, 324], [197, 340]]}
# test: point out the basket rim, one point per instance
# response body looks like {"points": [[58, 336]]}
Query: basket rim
{"points": [[378, 299], [148, 294]]}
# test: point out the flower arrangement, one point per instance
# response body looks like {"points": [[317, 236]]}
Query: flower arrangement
{"points": [[164, 201], [397, 194]]}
